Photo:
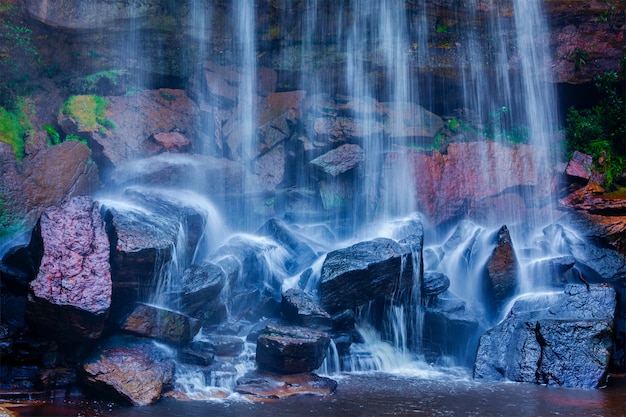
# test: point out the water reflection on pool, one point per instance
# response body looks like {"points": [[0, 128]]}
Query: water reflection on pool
{"points": [[376, 395]]}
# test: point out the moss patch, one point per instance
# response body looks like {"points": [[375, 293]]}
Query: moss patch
{"points": [[89, 113], [13, 126]]}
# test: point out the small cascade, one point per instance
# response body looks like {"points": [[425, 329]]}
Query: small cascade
{"points": [[260, 271]]}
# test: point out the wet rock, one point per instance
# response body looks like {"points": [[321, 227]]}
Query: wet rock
{"points": [[197, 354], [12, 309], [577, 34], [366, 107], [252, 258], [579, 167], [203, 173], [159, 323], [267, 385], [278, 116], [502, 268], [141, 244], [200, 285], [431, 257], [410, 120], [269, 169], [434, 283], [219, 82], [489, 168], [563, 340], [585, 343], [300, 309], [31, 351], [448, 302], [353, 276], [166, 142], [337, 193], [129, 368], [599, 215], [57, 378], [340, 159], [409, 228], [71, 295], [557, 269], [449, 330], [290, 349], [222, 83], [592, 198], [32, 185], [137, 117], [19, 266], [188, 208], [597, 261], [465, 234], [300, 254], [221, 345]]}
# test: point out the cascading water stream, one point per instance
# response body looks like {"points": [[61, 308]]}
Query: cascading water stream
{"points": [[380, 46]]}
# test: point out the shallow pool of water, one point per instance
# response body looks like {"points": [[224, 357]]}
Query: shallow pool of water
{"points": [[374, 395]]}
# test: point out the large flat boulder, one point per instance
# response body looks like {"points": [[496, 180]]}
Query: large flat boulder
{"points": [[291, 349], [160, 323], [353, 276], [564, 340], [129, 368], [258, 384]]}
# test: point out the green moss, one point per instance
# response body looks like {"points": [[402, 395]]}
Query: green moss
{"points": [[89, 112], [13, 127], [111, 75]]}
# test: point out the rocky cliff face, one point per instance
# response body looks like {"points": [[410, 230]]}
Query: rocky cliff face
{"points": [[586, 37]]}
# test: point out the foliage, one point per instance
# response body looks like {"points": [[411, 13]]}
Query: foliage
{"points": [[109, 81], [502, 127], [15, 41], [89, 112], [579, 57], [53, 136], [14, 125], [600, 131]]}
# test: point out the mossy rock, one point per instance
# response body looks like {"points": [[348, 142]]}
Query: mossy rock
{"points": [[88, 112]]}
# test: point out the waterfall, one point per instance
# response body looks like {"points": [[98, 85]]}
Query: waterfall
{"points": [[367, 70]]}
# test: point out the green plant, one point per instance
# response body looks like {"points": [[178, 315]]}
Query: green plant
{"points": [[53, 136], [501, 126], [579, 56], [167, 96], [600, 131], [14, 126], [17, 48]]}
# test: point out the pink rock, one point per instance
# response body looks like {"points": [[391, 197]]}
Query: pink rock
{"points": [[453, 184], [579, 166], [167, 142], [71, 294], [75, 268]]}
